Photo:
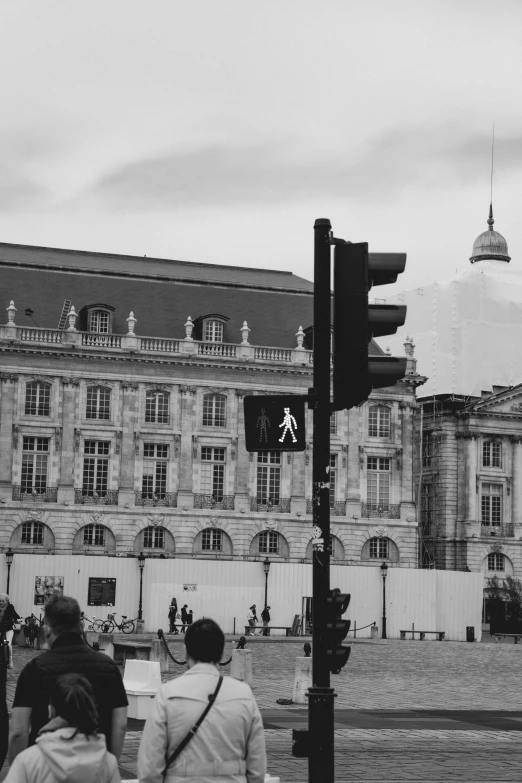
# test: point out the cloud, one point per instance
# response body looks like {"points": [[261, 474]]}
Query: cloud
{"points": [[379, 169]]}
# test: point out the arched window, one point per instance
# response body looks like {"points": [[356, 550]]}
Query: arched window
{"points": [[99, 321], [38, 399], [94, 535], [379, 549], [157, 407], [496, 562], [154, 538], [379, 421], [214, 410], [212, 540], [32, 533], [492, 454], [98, 402], [268, 543]]}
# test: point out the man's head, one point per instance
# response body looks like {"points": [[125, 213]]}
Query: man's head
{"points": [[204, 641], [61, 615], [4, 600]]}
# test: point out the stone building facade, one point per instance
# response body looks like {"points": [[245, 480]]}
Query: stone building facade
{"points": [[113, 442]]}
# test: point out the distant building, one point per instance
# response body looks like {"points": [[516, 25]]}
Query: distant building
{"points": [[121, 416]]}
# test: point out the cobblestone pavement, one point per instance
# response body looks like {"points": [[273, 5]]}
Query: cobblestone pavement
{"points": [[412, 711]]}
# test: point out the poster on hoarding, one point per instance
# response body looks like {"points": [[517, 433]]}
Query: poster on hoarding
{"points": [[102, 592], [45, 587]]}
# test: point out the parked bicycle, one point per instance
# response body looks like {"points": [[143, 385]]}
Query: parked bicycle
{"points": [[91, 625], [108, 625]]}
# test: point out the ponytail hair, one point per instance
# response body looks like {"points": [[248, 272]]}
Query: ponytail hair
{"points": [[73, 699]]}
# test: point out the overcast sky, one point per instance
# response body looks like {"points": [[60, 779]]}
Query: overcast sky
{"points": [[218, 131]]}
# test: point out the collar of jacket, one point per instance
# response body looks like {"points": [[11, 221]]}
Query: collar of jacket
{"points": [[67, 639], [203, 668]]}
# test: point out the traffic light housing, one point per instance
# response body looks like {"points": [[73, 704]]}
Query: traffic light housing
{"points": [[356, 373], [275, 422], [336, 630]]}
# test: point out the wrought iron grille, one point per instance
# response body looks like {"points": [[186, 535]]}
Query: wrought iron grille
{"points": [[369, 510], [283, 507], [506, 530], [209, 501], [107, 498], [338, 507], [169, 499], [49, 495]]}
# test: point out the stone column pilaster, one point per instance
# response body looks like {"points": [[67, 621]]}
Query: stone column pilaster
{"points": [[243, 457], [356, 457], [128, 442], [188, 444], [70, 440], [471, 479], [516, 481], [8, 434]]}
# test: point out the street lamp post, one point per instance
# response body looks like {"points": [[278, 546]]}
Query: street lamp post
{"points": [[266, 569], [9, 561], [141, 563], [384, 572]]}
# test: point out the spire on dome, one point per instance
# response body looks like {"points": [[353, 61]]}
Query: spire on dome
{"points": [[490, 245], [490, 218]]}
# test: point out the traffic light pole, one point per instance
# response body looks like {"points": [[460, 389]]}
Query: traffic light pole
{"points": [[321, 695]]}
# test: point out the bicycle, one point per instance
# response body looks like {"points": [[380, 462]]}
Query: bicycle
{"points": [[108, 625], [91, 625]]}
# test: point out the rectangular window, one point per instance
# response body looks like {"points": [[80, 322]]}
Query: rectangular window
{"points": [[333, 423], [492, 454], [491, 504], [32, 533], [34, 464], [268, 476], [95, 467], [379, 422], [495, 561], [213, 332], [212, 472], [268, 543], [212, 540], [157, 407], [379, 548], [333, 477], [37, 399], [378, 481], [155, 462], [214, 410], [99, 321], [98, 402], [94, 535], [154, 538]]}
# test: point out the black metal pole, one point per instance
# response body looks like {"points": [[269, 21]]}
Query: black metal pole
{"points": [[321, 695], [266, 589], [8, 577], [140, 606], [384, 606]]}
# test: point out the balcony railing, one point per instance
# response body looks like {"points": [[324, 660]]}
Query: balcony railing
{"points": [[369, 510], [226, 502], [37, 335], [169, 499], [95, 340], [107, 498], [158, 345], [217, 349], [338, 508], [48, 495], [267, 506], [272, 354], [498, 531]]}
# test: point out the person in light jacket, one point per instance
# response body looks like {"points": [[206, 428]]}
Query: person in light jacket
{"points": [[8, 619], [68, 749], [229, 746]]}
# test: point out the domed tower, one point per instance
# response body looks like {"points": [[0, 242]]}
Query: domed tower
{"points": [[490, 244]]}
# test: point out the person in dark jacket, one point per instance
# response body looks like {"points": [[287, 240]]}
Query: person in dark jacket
{"points": [[68, 653], [184, 618], [265, 617], [173, 613], [8, 617]]}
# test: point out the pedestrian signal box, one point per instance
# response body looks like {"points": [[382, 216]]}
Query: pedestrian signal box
{"points": [[275, 423]]}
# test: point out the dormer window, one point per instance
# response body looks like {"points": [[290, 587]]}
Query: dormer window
{"points": [[213, 332], [99, 321], [97, 318], [210, 328]]}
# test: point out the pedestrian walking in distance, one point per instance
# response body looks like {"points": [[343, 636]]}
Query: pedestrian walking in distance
{"points": [[68, 653], [203, 726], [252, 619], [173, 614], [265, 617], [68, 748], [8, 618], [184, 618]]}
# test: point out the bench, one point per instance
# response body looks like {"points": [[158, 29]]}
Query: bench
{"points": [[251, 629], [124, 651], [422, 634], [514, 636]]}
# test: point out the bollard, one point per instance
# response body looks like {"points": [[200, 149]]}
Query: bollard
{"points": [[159, 653], [140, 626], [241, 668], [41, 641], [302, 680], [374, 632], [106, 643]]}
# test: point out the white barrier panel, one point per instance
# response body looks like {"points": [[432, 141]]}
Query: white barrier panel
{"points": [[446, 601]]}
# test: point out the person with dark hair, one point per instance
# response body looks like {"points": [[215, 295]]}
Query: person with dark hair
{"points": [[68, 748], [265, 617], [8, 618], [184, 618], [173, 613], [68, 653], [203, 726]]}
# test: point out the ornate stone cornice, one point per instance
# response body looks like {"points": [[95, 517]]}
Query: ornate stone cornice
{"points": [[129, 385], [215, 390], [8, 377], [188, 390], [515, 438], [70, 381], [242, 393]]}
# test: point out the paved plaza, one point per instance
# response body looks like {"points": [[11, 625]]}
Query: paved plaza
{"points": [[412, 711]]}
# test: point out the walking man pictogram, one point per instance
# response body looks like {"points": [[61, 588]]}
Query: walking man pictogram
{"points": [[262, 423], [289, 424]]}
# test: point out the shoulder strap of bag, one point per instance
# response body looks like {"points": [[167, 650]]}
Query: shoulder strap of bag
{"points": [[184, 742]]}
